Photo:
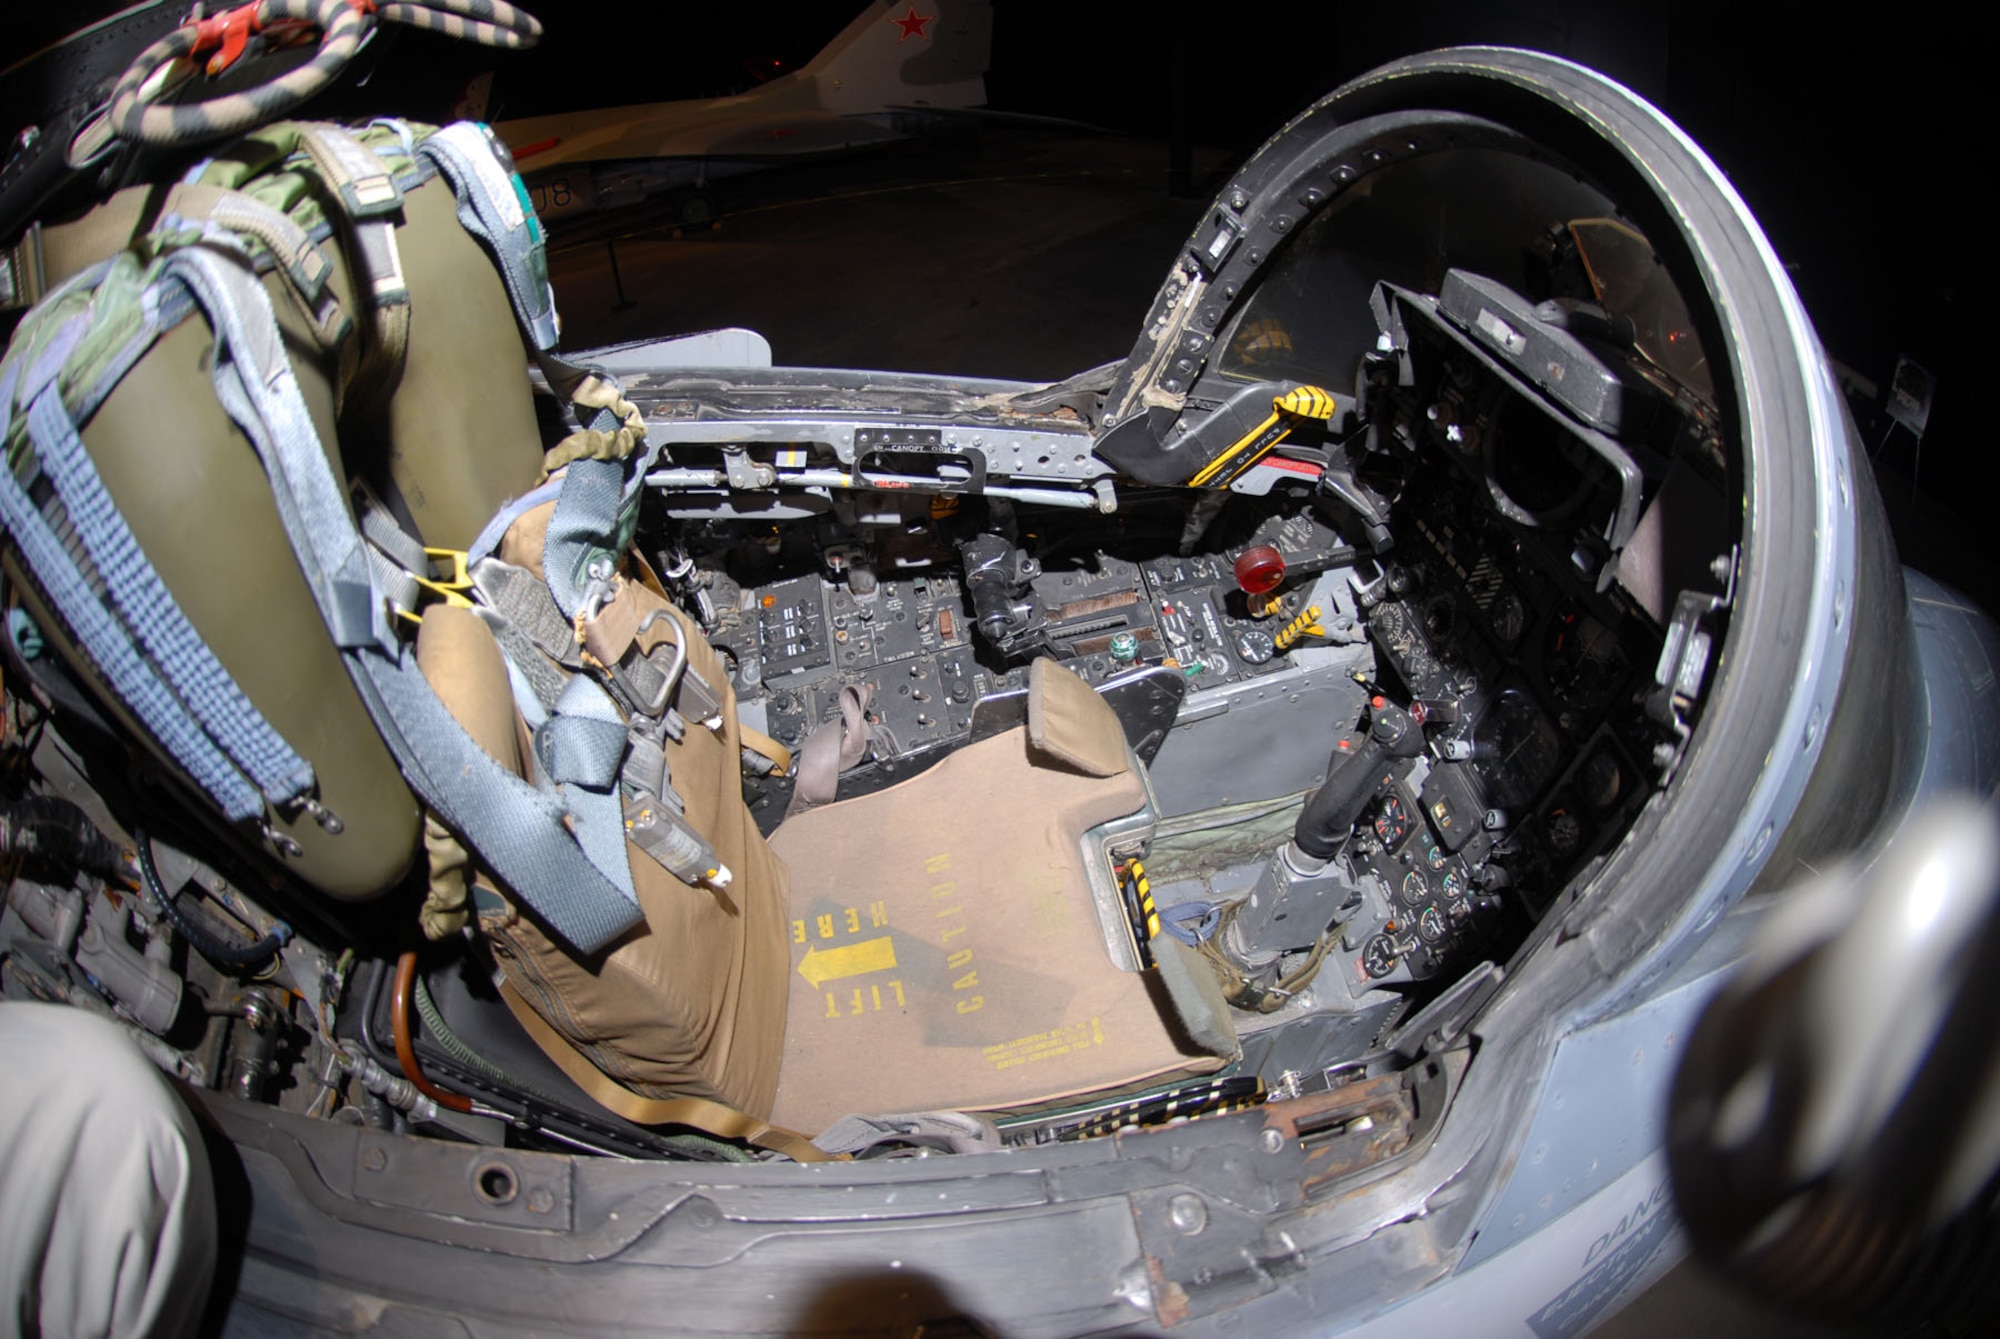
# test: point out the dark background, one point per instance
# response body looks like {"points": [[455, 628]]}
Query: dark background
{"points": [[1859, 133]]}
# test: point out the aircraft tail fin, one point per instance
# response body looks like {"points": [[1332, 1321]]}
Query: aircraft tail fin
{"points": [[907, 53]]}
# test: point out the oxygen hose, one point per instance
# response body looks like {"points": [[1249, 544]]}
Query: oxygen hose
{"points": [[58, 830], [137, 116], [217, 951], [406, 1051]]}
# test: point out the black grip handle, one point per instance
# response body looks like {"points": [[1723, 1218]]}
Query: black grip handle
{"points": [[1353, 779]]}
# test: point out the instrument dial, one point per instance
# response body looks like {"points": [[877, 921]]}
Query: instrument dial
{"points": [[1415, 890], [1392, 824], [1379, 956], [1563, 832], [1391, 627], [1255, 646], [1453, 884], [1601, 780], [1517, 748], [1440, 616], [1583, 660], [1509, 617], [1431, 925]]}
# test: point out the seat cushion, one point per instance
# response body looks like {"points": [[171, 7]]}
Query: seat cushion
{"points": [[692, 1003], [946, 953]]}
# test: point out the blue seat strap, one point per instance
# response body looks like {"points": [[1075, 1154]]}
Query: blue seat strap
{"points": [[522, 834], [189, 668]]}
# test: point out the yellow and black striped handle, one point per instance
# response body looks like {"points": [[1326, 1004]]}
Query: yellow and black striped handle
{"points": [[1297, 405]]}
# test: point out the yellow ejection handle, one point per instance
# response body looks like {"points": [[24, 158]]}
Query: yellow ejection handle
{"points": [[1300, 402]]}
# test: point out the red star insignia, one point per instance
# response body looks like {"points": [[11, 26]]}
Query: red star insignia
{"points": [[913, 25]]}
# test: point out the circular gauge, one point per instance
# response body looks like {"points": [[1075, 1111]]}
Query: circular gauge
{"points": [[1582, 659], [1415, 890], [1515, 748], [1391, 626], [1393, 823], [1601, 780], [1440, 615], [1434, 855], [1563, 833], [1509, 617], [1255, 646], [1378, 956], [1453, 884], [1431, 925]]}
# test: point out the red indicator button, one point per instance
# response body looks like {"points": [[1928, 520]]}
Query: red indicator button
{"points": [[1260, 570]]}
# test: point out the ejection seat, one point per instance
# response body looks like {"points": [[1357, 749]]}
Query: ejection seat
{"points": [[942, 944]]}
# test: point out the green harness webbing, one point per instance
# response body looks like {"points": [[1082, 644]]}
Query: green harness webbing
{"points": [[522, 833], [562, 846]]}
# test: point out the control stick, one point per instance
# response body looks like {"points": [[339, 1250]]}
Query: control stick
{"points": [[1355, 778]]}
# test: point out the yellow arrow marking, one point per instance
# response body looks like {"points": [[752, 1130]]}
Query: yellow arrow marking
{"points": [[870, 955]]}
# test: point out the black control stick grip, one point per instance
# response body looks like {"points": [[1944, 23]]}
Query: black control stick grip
{"points": [[1355, 778]]}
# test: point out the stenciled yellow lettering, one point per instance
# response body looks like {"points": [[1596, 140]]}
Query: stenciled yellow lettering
{"points": [[897, 986], [966, 982], [832, 1006], [937, 864], [951, 934], [826, 927], [853, 921], [854, 1005], [798, 932], [950, 911], [972, 1005], [876, 991], [940, 891], [959, 958], [878, 914]]}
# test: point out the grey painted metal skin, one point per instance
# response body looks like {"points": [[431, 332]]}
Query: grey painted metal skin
{"points": [[1532, 1205]]}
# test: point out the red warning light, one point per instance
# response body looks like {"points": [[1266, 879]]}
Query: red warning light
{"points": [[1260, 570]]}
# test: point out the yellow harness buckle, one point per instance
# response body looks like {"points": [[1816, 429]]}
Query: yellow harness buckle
{"points": [[453, 587]]}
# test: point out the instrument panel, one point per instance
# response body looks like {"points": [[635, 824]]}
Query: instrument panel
{"points": [[1106, 604], [1530, 671]]}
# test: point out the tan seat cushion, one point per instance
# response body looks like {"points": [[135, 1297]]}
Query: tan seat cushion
{"points": [[692, 1003], [945, 953], [1069, 723]]}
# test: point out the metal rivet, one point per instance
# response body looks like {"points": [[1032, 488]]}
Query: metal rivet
{"points": [[1272, 1141], [1757, 846], [374, 1159], [1188, 1214]]}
